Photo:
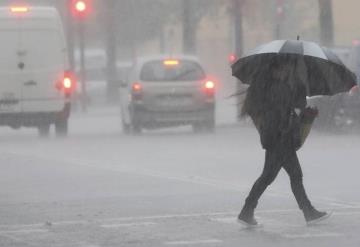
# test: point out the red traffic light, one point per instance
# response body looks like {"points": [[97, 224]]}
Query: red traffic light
{"points": [[80, 8]]}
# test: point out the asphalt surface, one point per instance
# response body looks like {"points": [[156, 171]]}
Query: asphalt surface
{"points": [[170, 187]]}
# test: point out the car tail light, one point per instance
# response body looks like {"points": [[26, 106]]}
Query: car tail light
{"points": [[209, 87], [136, 87], [67, 84], [354, 90], [136, 91]]}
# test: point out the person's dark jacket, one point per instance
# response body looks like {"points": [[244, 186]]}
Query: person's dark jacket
{"points": [[280, 129]]}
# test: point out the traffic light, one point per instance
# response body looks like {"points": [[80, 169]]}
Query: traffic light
{"points": [[80, 8], [280, 9], [232, 58]]}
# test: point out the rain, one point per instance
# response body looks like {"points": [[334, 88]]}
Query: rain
{"points": [[179, 123]]}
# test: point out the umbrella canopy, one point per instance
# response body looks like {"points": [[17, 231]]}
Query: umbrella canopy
{"points": [[318, 68]]}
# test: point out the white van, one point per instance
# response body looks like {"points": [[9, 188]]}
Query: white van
{"points": [[35, 84]]}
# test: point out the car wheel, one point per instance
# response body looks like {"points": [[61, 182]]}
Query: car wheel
{"points": [[126, 128], [61, 127], [204, 127], [136, 129], [44, 130], [210, 125], [196, 128], [135, 123]]}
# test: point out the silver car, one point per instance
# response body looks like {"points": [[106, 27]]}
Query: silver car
{"points": [[163, 92]]}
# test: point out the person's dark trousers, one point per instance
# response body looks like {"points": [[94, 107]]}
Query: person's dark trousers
{"points": [[275, 160]]}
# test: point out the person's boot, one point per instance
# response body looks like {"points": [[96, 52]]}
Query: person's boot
{"points": [[246, 217], [313, 216]]}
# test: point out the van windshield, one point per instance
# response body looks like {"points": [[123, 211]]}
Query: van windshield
{"points": [[182, 71]]}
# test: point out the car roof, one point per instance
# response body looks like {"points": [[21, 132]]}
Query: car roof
{"points": [[142, 60]]}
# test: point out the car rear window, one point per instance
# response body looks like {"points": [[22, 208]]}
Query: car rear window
{"points": [[183, 71]]}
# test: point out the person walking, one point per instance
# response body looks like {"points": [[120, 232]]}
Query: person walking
{"points": [[277, 109]]}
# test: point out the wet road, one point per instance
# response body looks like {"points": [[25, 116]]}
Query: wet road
{"points": [[167, 188]]}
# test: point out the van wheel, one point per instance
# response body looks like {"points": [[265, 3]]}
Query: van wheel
{"points": [[196, 128], [136, 129], [126, 128], [204, 127], [210, 126], [44, 130], [61, 127]]}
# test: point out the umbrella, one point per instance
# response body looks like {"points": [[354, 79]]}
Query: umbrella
{"points": [[317, 67]]}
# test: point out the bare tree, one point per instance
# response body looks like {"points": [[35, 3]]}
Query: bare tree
{"points": [[189, 27], [192, 13], [237, 8], [237, 15]]}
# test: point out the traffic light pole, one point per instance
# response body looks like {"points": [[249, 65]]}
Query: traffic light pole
{"points": [[237, 6], [70, 35], [80, 10], [279, 19], [81, 32], [111, 52], [326, 21]]}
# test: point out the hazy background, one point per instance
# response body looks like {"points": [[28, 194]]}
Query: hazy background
{"points": [[213, 28]]}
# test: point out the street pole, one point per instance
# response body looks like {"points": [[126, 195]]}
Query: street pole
{"points": [[238, 27], [111, 51], [134, 32], [238, 45], [326, 21], [80, 10], [81, 32], [70, 35], [189, 27], [279, 19]]}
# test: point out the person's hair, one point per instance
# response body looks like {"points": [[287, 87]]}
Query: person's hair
{"points": [[269, 89]]}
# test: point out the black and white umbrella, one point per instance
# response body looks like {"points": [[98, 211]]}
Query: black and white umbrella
{"points": [[322, 72]]}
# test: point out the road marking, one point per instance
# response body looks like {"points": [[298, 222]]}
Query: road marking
{"points": [[343, 205], [24, 231], [131, 219], [170, 216], [313, 235], [71, 222], [38, 225], [227, 220], [347, 213], [194, 242], [181, 178], [128, 224], [266, 221]]}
